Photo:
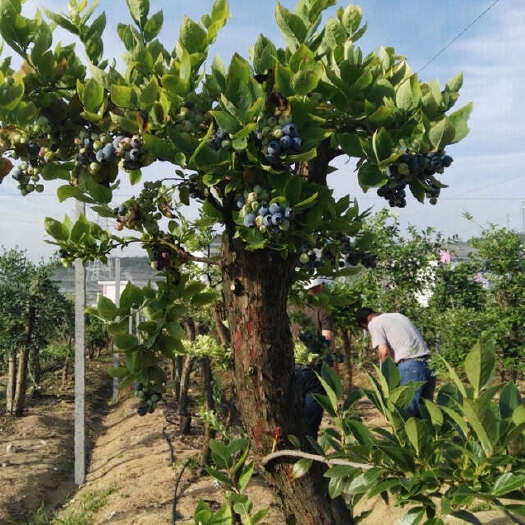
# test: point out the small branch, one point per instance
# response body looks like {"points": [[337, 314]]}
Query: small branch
{"points": [[175, 496], [170, 444], [186, 256], [334, 153], [314, 457]]}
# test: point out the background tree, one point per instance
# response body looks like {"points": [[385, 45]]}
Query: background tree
{"points": [[253, 143], [33, 312]]}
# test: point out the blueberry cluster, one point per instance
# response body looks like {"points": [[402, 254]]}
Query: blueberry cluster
{"points": [[134, 211], [410, 166], [27, 176], [351, 255], [97, 150], [257, 213], [279, 137], [189, 118], [149, 397], [310, 260]]}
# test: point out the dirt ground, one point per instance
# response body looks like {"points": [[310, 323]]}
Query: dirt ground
{"points": [[130, 479], [36, 450]]}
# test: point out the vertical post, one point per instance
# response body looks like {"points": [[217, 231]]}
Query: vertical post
{"points": [[137, 322], [116, 359], [80, 365]]}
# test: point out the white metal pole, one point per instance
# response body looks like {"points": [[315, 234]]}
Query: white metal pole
{"points": [[116, 359], [80, 365]]}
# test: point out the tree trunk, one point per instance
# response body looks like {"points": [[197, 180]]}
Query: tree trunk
{"points": [[184, 416], [176, 372], [347, 356], [11, 383], [209, 433], [223, 333], [21, 382], [23, 357], [256, 286], [37, 371]]}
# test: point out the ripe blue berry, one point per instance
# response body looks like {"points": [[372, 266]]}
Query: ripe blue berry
{"points": [[249, 220], [263, 210], [134, 155], [290, 130], [116, 141], [274, 208], [277, 218], [286, 142], [297, 143], [447, 161], [267, 221], [33, 149], [100, 156], [288, 213], [274, 148]]}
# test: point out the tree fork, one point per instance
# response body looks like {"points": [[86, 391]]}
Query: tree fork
{"points": [[264, 378]]}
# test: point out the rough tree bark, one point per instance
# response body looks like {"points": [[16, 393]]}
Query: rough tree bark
{"points": [[11, 383], [23, 357], [256, 286]]}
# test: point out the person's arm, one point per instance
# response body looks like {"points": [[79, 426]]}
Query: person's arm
{"points": [[329, 335], [382, 352]]}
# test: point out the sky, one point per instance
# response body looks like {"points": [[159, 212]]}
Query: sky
{"points": [[486, 178]]}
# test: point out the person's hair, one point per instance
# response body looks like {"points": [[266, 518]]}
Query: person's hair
{"points": [[362, 314]]}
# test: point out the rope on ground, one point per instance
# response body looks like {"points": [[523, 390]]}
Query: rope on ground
{"points": [[314, 457]]}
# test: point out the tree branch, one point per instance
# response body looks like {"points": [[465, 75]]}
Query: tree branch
{"points": [[186, 256], [314, 457]]}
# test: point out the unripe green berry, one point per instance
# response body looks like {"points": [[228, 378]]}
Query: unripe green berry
{"points": [[39, 188]]}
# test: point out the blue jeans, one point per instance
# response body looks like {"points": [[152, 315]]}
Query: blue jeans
{"points": [[417, 370]]}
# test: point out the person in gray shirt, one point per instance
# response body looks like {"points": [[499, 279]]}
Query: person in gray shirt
{"points": [[396, 335]]}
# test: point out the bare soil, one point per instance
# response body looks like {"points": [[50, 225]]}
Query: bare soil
{"points": [[36, 450], [130, 466]]}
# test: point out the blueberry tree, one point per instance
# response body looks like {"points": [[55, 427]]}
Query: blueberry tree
{"points": [[252, 143], [33, 313]]}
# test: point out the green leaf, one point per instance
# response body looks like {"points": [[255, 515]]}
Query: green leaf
{"points": [[508, 482], [301, 467], [391, 373], [332, 379], [350, 144], [203, 298], [106, 308], [466, 516], [153, 26], [125, 341], [454, 376], [370, 175], [139, 10], [457, 418], [509, 399], [80, 228], [149, 94], [121, 96], [442, 134], [92, 95], [482, 420], [221, 454], [131, 297], [455, 83], [264, 53], [351, 18], [193, 36], [382, 144], [291, 25], [305, 81], [413, 516], [435, 413], [56, 229], [101, 194], [67, 191], [480, 365], [406, 96], [54, 171], [459, 120], [417, 433], [293, 190], [11, 95]]}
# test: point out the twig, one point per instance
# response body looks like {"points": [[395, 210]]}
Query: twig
{"points": [[186, 256], [314, 457], [174, 508]]}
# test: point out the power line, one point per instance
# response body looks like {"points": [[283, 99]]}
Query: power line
{"points": [[458, 36]]}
